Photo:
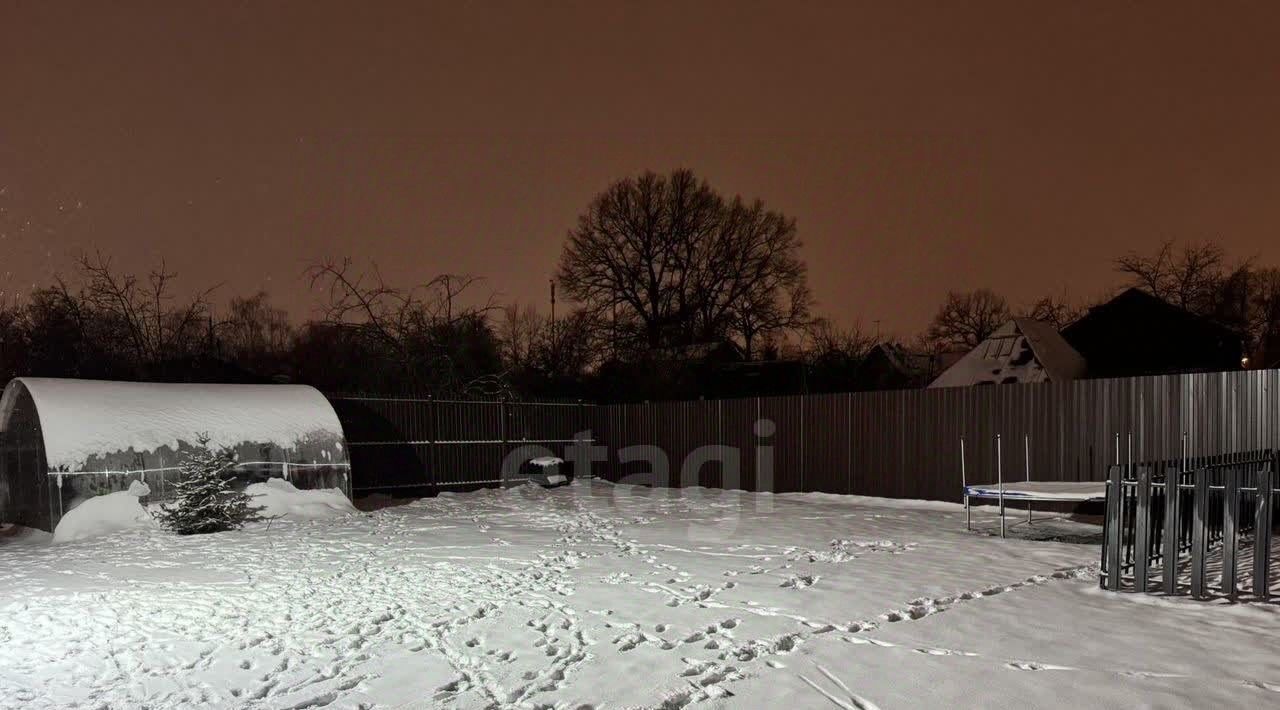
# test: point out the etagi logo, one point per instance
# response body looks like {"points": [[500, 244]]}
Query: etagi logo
{"points": [[714, 513]]}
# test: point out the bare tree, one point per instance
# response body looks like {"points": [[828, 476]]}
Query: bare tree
{"points": [[826, 341], [966, 319], [568, 346], [1189, 277], [254, 330], [1054, 310], [667, 260], [435, 339], [537, 348], [1264, 321], [1198, 278], [13, 338], [519, 330], [152, 324]]}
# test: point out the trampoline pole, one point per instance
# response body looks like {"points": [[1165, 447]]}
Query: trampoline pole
{"points": [[1000, 480], [1184, 452], [1026, 454], [964, 485]]}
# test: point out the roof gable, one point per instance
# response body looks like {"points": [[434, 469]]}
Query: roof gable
{"points": [[1020, 351]]}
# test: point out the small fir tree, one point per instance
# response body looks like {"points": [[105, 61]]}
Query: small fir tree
{"points": [[206, 502]]}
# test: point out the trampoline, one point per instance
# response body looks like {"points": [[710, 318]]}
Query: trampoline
{"points": [[1027, 490]]}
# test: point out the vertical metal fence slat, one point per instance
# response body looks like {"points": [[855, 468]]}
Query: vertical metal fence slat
{"points": [[1199, 537], [1115, 505], [1230, 513], [1142, 530], [1262, 536], [1171, 528]]}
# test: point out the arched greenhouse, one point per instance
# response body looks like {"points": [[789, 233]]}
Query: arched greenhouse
{"points": [[62, 441]]}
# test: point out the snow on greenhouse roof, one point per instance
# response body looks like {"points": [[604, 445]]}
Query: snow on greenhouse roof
{"points": [[85, 421]]}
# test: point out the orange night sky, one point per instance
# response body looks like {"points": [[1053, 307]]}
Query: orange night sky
{"points": [[920, 148]]}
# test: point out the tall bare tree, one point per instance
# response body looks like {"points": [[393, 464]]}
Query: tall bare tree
{"points": [[1264, 320], [141, 318], [519, 329], [255, 333], [667, 260], [1190, 277], [966, 319]]}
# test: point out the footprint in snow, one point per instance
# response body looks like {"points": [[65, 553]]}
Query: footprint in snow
{"points": [[1033, 666], [944, 652], [800, 581], [862, 641]]}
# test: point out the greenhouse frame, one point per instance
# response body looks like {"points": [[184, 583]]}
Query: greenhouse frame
{"points": [[63, 440]]}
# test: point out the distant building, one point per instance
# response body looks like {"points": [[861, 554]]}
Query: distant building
{"points": [[892, 366], [1020, 351], [1136, 334]]}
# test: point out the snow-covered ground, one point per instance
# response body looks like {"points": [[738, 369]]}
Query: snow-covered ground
{"points": [[611, 596]]}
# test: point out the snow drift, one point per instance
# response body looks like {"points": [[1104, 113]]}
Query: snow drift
{"points": [[120, 511], [103, 515], [278, 498]]}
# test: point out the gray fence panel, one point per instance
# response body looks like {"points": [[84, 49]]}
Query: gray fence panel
{"points": [[906, 443], [430, 445]]}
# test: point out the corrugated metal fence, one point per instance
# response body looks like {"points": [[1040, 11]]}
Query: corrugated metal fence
{"points": [[906, 443], [431, 444]]}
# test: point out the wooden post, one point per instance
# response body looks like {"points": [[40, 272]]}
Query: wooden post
{"points": [[1199, 532], [1230, 528], [1262, 536]]}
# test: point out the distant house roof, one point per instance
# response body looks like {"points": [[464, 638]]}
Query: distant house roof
{"points": [[1022, 350], [1137, 333], [895, 366]]}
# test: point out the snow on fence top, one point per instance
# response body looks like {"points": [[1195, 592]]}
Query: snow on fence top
{"points": [[94, 425]]}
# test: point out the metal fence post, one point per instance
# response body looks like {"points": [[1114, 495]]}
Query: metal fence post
{"points": [[964, 486], [1199, 532], [1262, 535], [1230, 530], [1000, 480], [1142, 530], [1026, 454], [1172, 523], [502, 435], [1114, 530], [433, 434]]}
